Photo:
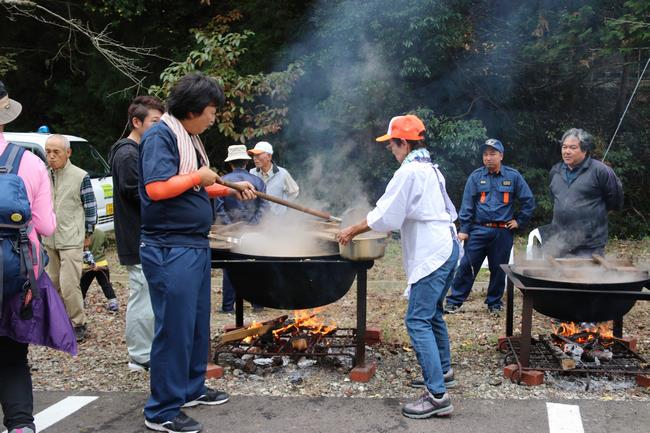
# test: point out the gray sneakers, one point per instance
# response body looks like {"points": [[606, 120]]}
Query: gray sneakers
{"points": [[427, 406], [451, 308], [450, 382], [211, 397]]}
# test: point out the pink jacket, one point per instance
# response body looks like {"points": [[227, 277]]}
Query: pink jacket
{"points": [[34, 174]]}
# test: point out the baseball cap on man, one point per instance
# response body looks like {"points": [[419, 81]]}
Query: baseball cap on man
{"points": [[408, 127], [261, 147], [235, 152], [9, 109], [492, 142]]}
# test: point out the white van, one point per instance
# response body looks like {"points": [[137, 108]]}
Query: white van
{"points": [[84, 156]]}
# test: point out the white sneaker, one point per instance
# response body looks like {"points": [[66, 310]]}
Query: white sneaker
{"points": [[137, 366]]}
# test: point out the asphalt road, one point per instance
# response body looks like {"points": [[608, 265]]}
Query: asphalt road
{"points": [[122, 412]]}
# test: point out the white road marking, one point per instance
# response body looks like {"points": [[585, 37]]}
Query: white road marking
{"points": [[59, 410], [564, 418]]}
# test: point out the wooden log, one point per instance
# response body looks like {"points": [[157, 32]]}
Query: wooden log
{"points": [[257, 330], [601, 355], [566, 362]]}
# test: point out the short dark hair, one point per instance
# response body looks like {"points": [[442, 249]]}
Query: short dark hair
{"points": [[585, 138], [238, 163], [192, 93], [140, 107], [415, 144]]}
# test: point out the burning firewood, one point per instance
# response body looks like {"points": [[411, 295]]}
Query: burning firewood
{"points": [[254, 330], [299, 343], [566, 362], [602, 355]]}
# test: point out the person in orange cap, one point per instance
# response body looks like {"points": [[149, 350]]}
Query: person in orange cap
{"points": [[417, 204]]}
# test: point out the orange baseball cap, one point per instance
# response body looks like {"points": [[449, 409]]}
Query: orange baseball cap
{"points": [[408, 127]]}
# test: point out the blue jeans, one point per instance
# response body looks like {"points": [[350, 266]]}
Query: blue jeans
{"points": [[495, 243], [426, 326], [179, 286]]}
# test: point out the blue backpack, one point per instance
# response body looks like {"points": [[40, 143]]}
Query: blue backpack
{"points": [[16, 252]]}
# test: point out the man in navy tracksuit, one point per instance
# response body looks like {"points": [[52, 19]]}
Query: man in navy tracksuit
{"points": [[487, 223], [175, 187]]}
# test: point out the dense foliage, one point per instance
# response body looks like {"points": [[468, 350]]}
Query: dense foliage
{"points": [[321, 79]]}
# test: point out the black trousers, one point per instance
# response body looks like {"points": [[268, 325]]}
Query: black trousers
{"points": [[15, 385], [103, 279]]}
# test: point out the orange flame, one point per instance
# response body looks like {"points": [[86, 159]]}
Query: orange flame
{"points": [[599, 330], [306, 321]]}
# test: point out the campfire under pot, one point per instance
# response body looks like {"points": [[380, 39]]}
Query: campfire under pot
{"points": [[297, 283], [542, 354]]}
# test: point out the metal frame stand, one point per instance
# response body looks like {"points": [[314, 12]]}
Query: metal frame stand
{"points": [[527, 310], [362, 291]]}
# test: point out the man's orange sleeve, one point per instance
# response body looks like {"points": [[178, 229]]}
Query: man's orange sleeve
{"points": [[217, 190], [172, 187]]}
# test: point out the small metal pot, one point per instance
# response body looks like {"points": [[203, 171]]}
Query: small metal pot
{"points": [[368, 246]]}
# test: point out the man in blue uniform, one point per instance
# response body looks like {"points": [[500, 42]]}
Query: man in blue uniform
{"points": [[230, 210], [487, 223]]}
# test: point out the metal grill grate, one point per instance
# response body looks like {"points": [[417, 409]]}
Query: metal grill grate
{"points": [[624, 361], [340, 342]]}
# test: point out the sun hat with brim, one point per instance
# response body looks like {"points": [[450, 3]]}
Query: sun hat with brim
{"points": [[261, 147], [237, 152], [493, 143], [9, 109], [408, 127]]}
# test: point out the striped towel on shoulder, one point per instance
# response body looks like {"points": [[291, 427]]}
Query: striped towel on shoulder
{"points": [[188, 146]]}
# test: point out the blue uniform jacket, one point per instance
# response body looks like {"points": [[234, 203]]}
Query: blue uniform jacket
{"points": [[490, 198], [230, 210]]}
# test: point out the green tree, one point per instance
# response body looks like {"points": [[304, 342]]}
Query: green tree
{"points": [[254, 102]]}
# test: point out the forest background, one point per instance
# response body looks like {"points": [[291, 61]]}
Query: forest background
{"points": [[321, 79]]}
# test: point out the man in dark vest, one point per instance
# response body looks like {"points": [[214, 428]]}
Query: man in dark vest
{"points": [[583, 191]]}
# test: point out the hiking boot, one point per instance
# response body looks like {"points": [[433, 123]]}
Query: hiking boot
{"points": [[113, 305], [138, 366], [450, 382], [180, 424], [427, 406], [211, 397], [22, 430], [80, 333], [495, 310], [451, 308]]}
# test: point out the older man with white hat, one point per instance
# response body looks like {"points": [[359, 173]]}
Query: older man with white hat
{"points": [[278, 180]]}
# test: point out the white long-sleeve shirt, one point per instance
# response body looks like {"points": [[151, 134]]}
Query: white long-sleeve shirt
{"points": [[414, 204]]}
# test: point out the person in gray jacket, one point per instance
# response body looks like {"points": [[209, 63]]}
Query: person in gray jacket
{"points": [[278, 180], [583, 191]]}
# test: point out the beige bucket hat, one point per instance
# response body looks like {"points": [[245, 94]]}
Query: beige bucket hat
{"points": [[9, 109], [237, 151]]}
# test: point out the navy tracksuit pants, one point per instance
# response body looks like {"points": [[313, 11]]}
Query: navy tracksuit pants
{"points": [[495, 243], [179, 286]]}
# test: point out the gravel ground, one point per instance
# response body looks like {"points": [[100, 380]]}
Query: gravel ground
{"points": [[102, 362]]}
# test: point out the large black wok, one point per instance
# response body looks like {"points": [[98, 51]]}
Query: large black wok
{"points": [[291, 283], [586, 306]]}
